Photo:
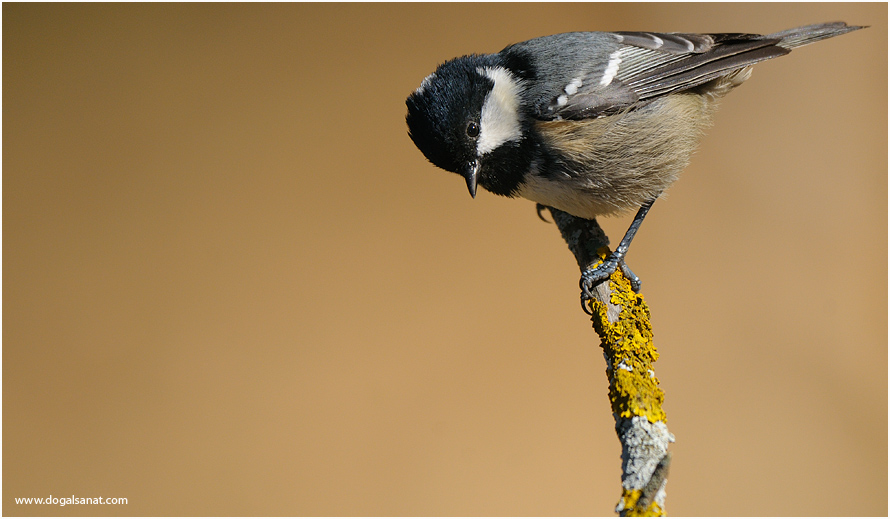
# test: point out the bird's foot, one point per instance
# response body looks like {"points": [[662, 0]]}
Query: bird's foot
{"points": [[590, 278], [635, 282]]}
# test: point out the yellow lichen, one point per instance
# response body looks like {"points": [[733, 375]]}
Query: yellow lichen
{"points": [[633, 387], [629, 509]]}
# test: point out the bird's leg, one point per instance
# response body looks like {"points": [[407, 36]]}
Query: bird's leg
{"points": [[592, 277]]}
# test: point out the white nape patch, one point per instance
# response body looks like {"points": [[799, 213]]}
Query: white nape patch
{"points": [[562, 100], [425, 83], [500, 111], [611, 68], [572, 88]]}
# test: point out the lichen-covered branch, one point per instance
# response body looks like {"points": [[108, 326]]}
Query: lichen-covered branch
{"points": [[621, 318]]}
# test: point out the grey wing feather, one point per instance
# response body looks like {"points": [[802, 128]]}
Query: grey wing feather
{"points": [[591, 103], [698, 69], [645, 65], [648, 65], [629, 69], [667, 42]]}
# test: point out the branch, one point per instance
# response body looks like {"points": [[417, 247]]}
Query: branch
{"points": [[621, 319]]}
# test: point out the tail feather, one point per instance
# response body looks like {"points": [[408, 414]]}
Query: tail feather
{"points": [[800, 36]]}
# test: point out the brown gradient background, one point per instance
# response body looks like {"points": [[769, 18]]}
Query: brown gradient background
{"points": [[233, 286]]}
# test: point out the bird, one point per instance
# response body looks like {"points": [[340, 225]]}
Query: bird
{"points": [[590, 123]]}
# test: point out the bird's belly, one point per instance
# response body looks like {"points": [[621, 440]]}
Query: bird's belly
{"points": [[567, 195], [614, 164]]}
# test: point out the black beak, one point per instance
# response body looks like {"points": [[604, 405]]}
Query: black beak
{"points": [[471, 173]]}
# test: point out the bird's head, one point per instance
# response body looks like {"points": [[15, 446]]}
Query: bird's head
{"points": [[463, 114]]}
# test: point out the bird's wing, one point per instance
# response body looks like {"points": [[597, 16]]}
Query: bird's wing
{"points": [[643, 66]]}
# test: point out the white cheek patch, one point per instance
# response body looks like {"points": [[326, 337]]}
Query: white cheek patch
{"points": [[500, 112]]}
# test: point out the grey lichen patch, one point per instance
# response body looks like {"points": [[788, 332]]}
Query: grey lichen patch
{"points": [[644, 446]]}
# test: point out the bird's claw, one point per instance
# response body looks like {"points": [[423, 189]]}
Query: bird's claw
{"points": [[635, 282], [590, 278]]}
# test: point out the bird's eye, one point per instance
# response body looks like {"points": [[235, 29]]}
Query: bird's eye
{"points": [[473, 129]]}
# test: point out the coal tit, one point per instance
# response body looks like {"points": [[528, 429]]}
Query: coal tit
{"points": [[591, 123]]}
